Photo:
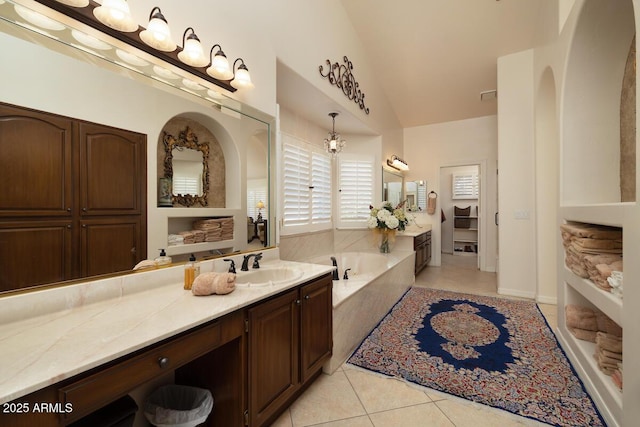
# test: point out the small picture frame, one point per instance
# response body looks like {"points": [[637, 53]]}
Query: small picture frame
{"points": [[165, 192]]}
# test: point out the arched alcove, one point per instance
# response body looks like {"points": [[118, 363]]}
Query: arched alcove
{"points": [[547, 153], [591, 103], [221, 154]]}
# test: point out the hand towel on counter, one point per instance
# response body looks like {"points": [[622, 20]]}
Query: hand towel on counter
{"points": [[214, 283]]}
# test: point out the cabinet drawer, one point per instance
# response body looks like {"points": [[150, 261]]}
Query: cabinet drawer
{"points": [[97, 390]]}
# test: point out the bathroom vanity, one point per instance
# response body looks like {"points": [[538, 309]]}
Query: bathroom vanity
{"points": [[255, 349]]}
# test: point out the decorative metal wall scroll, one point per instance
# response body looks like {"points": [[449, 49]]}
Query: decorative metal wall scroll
{"points": [[341, 76]]}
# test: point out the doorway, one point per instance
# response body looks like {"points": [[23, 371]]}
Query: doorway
{"points": [[461, 212]]}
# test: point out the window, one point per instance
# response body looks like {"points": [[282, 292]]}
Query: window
{"points": [[306, 186], [187, 185], [256, 192], [464, 186], [356, 177]]}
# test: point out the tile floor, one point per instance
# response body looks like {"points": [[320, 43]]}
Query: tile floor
{"points": [[353, 397]]}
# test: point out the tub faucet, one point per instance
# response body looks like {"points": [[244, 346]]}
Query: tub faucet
{"points": [[346, 276], [245, 261], [335, 270]]}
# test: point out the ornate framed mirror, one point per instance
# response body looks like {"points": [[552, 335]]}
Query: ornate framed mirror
{"points": [[186, 166]]}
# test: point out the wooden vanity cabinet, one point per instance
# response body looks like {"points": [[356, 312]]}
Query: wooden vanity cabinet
{"points": [[210, 356], [422, 246], [290, 338]]}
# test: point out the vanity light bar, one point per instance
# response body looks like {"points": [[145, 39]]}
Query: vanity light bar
{"points": [[85, 16]]}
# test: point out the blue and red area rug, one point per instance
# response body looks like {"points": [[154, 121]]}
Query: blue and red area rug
{"points": [[494, 351]]}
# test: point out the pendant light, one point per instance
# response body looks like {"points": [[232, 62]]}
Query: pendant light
{"points": [[116, 14], [192, 52], [334, 143], [241, 77], [219, 68], [158, 35]]}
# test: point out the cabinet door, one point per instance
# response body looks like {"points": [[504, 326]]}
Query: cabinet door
{"points": [[110, 245], [36, 163], [273, 355], [112, 171], [316, 326], [34, 253]]}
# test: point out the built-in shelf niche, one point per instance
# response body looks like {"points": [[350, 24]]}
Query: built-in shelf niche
{"points": [[591, 140]]}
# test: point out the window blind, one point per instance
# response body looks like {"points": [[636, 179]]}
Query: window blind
{"points": [[464, 186], [356, 190], [306, 186]]}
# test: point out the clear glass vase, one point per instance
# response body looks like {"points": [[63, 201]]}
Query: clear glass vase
{"points": [[385, 237]]}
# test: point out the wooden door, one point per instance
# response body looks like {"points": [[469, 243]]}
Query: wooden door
{"points": [[316, 319], [34, 253], [35, 163], [110, 245], [112, 171], [273, 356]]}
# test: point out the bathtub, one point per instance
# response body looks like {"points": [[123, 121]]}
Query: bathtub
{"points": [[376, 282]]}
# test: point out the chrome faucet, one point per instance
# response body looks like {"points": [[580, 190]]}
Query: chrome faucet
{"points": [[335, 270], [245, 261]]}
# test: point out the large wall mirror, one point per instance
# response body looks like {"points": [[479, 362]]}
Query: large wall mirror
{"points": [[392, 187], [54, 73], [416, 195]]}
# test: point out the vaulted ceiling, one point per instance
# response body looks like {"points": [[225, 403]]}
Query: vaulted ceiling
{"points": [[433, 58]]}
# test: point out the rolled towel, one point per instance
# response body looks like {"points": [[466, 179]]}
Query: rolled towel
{"points": [[214, 283]]}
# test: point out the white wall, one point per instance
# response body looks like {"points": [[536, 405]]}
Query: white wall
{"points": [[516, 178], [428, 148]]}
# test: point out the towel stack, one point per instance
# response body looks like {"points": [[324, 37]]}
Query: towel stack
{"points": [[593, 325], [215, 229], [175, 239], [204, 230], [226, 224], [188, 237], [592, 251]]}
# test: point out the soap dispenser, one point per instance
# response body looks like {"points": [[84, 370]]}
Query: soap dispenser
{"points": [[163, 260], [191, 271]]}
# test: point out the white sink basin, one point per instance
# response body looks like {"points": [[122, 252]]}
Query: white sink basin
{"points": [[265, 277]]}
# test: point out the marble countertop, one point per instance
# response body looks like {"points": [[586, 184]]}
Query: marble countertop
{"points": [[414, 231], [54, 334]]}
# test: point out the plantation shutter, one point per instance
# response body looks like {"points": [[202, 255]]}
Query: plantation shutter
{"points": [[297, 163], [186, 185], [306, 187], [321, 189], [256, 192], [356, 190], [464, 186]]}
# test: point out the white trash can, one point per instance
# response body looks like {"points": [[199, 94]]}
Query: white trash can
{"points": [[178, 406]]}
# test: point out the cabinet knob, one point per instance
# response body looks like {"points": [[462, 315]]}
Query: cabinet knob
{"points": [[163, 362], [68, 209], [298, 302], [84, 209], [307, 297]]}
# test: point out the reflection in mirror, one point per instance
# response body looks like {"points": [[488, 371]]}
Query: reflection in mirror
{"points": [[191, 180], [138, 98], [416, 196], [187, 172], [392, 190]]}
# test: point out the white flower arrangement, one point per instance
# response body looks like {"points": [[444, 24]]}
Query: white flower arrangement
{"points": [[386, 217]]}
